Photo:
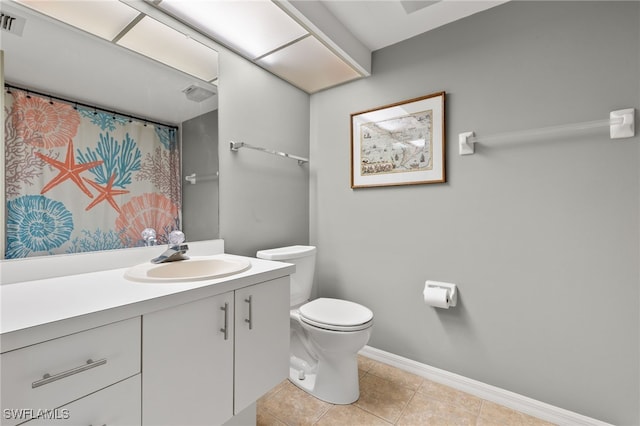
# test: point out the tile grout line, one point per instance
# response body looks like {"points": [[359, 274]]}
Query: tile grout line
{"points": [[324, 413], [484, 401], [393, 422], [366, 373], [404, 409], [406, 406]]}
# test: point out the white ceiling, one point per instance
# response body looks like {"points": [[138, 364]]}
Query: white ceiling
{"points": [[371, 24], [381, 23]]}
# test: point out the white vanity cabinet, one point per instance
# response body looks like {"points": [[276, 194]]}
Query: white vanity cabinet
{"points": [[121, 352], [205, 361], [44, 378], [261, 340]]}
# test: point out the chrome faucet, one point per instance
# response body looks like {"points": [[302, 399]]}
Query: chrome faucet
{"points": [[175, 251], [172, 253]]}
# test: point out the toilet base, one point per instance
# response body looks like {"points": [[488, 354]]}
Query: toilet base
{"points": [[338, 384], [306, 384]]}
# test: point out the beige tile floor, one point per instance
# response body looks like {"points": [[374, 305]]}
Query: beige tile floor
{"points": [[388, 396]]}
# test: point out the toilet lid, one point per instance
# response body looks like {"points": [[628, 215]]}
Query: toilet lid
{"points": [[335, 313]]}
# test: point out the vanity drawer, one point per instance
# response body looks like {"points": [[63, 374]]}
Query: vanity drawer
{"points": [[117, 405], [56, 372]]}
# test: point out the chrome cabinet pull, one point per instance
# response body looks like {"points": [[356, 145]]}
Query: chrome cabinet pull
{"points": [[48, 378], [250, 319], [225, 329]]}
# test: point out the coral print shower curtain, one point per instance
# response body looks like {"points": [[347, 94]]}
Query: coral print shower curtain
{"points": [[79, 179]]}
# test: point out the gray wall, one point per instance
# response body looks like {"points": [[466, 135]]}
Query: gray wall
{"points": [[264, 199], [200, 156], [542, 238]]}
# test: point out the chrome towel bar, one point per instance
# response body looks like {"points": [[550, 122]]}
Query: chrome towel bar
{"points": [[193, 178], [235, 147]]}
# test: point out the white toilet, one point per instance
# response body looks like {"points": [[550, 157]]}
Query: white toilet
{"points": [[326, 334]]}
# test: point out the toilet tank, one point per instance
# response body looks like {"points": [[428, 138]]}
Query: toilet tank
{"points": [[304, 257]]}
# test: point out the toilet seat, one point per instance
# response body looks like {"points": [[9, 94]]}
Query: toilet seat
{"points": [[336, 315]]}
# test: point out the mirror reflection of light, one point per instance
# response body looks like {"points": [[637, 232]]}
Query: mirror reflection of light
{"points": [[164, 44], [390, 125], [418, 143], [105, 19], [122, 24]]}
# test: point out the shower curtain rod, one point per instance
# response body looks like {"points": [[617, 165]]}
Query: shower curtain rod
{"points": [[620, 123], [235, 146], [92, 107]]}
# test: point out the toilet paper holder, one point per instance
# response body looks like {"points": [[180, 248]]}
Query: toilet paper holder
{"points": [[452, 290]]}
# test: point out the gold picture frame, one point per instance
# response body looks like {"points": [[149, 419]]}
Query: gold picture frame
{"points": [[399, 144]]}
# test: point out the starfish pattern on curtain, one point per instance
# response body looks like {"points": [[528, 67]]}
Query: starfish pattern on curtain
{"points": [[83, 180]]}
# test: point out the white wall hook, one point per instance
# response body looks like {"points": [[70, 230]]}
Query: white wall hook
{"points": [[625, 129], [465, 143]]}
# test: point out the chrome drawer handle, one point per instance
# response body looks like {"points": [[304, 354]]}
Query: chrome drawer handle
{"points": [[225, 330], [48, 378], [250, 319]]}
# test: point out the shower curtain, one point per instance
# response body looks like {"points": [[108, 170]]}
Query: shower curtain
{"points": [[79, 179]]}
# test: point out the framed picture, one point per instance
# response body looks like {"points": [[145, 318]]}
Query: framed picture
{"points": [[399, 144]]}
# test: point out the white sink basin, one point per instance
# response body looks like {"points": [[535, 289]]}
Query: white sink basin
{"points": [[192, 269]]}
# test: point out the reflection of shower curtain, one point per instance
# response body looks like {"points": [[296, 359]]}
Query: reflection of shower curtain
{"points": [[80, 180]]}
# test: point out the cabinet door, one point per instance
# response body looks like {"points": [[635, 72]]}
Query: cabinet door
{"points": [[261, 339], [187, 363]]}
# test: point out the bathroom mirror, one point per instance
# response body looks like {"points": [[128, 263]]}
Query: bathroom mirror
{"points": [[53, 58]]}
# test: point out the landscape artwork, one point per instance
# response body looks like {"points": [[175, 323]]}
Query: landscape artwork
{"points": [[399, 144]]}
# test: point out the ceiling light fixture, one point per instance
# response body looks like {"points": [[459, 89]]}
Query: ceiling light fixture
{"points": [[251, 28]]}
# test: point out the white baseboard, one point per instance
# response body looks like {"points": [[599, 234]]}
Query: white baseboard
{"points": [[487, 392]]}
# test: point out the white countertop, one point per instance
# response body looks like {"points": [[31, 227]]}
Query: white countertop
{"points": [[34, 311]]}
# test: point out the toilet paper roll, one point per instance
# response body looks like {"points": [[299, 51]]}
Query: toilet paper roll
{"points": [[437, 297]]}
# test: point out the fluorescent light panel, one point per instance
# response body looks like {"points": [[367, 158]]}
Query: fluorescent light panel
{"points": [[252, 28], [308, 64], [257, 29], [103, 18], [164, 44]]}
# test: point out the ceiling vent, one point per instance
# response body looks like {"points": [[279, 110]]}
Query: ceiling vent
{"points": [[12, 23], [197, 94]]}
